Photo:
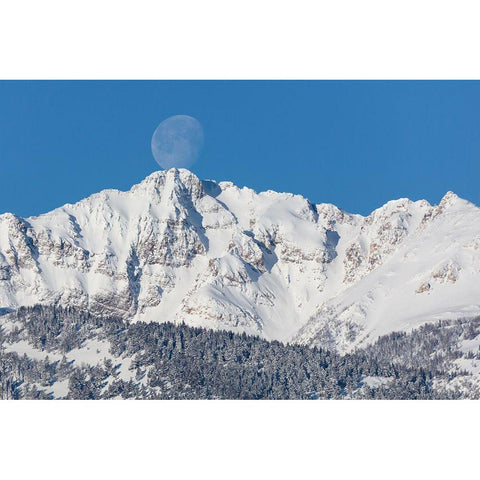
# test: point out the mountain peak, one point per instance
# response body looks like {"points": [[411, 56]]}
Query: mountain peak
{"points": [[160, 177], [451, 199], [174, 181]]}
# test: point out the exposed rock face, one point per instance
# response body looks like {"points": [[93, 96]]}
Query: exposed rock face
{"points": [[180, 249], [380, 233]]}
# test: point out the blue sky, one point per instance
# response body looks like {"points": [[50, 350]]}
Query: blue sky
{"points": [[354, 144]]}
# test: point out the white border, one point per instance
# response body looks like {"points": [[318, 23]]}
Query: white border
{"points": [[239, 439], [215, 39]]}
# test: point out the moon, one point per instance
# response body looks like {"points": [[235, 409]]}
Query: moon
{"points": [[177, 142]]}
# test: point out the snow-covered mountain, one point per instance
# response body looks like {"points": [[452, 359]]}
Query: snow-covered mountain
{"points": [[175, 248]]}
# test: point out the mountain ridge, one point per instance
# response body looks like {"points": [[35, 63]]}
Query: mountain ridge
{"points": [[271, 264]]}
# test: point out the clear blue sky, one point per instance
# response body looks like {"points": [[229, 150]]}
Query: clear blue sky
{"points": [[354, 144]]}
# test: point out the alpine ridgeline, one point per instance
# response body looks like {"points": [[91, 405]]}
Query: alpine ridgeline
{"points": [[175, 248]]}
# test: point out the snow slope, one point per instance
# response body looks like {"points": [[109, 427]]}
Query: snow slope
{"points": [[175, 248]]}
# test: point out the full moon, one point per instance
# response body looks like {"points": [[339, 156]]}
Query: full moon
{"points": [[177, 141]]}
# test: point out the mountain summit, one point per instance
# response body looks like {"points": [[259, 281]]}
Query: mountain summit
{"points": [[175, 248]]}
